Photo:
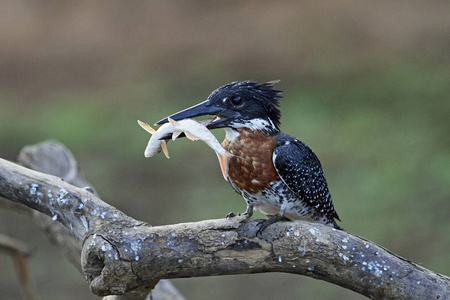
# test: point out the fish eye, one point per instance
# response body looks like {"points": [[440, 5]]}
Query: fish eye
{"points": [[237, 100]]}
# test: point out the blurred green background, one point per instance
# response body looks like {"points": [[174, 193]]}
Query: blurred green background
{"points": [[366, 86]]}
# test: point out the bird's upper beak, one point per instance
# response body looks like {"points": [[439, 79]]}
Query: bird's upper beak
{"points": [[223, 116]]}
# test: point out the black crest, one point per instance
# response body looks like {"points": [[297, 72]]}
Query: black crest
{"points": [[262, 95]]}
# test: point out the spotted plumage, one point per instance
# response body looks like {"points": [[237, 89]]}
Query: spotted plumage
{"points": [[279, 172], [276, 173]]}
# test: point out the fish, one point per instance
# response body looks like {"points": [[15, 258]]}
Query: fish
{"points": [[156, 143], [194, 130]]}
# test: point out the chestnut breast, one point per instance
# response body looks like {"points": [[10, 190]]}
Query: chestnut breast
{"points": [[252, 168]]}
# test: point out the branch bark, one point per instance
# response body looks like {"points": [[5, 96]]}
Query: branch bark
{"points": [[121, 254], [55, 159]]}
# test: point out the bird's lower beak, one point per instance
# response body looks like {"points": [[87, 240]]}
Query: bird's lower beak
{"points": [[201, 109]]}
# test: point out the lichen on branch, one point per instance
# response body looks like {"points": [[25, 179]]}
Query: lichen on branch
{"points": [[121, 254]]}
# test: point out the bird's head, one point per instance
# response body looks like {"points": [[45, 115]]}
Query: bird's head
{"points": [[239, 104]]}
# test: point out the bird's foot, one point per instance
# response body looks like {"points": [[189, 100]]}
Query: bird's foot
{"points": [[246, 214], [263, 224], [238, 218], [230, 215]]}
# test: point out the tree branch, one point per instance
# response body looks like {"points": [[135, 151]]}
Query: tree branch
{"points": [[53, 158], [120, 254]]}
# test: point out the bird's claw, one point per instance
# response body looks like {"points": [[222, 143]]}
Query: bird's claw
{"points": [[263, 224], [230, 215], [247, 215]]}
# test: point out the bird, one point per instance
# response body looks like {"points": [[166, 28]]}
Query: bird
{"points": [[274, 172]]}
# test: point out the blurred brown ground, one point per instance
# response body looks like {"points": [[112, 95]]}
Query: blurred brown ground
{"points": [[365, 82]]}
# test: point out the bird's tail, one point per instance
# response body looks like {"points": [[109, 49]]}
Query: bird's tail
{"points": [[335, 225]]}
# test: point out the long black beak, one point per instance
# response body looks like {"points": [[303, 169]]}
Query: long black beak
{"points": [[204, 108]]}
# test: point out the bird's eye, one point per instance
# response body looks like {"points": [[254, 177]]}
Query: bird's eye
{"points": [[237, 100]]}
